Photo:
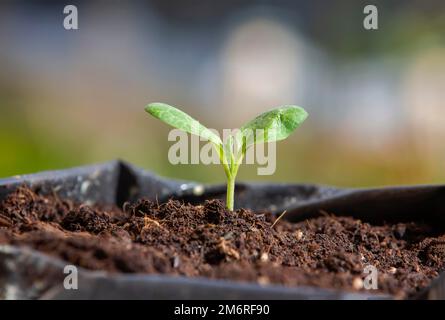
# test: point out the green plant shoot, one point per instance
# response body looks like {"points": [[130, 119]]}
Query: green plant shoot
{"points": [[271, 126]]}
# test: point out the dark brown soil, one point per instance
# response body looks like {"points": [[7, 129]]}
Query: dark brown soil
{"points": [[209, 241]]}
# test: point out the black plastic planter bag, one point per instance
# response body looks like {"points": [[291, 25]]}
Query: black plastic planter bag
{"points": [[117, 182]]}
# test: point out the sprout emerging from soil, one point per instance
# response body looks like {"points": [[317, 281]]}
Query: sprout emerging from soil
{"points": [[271, 126]]}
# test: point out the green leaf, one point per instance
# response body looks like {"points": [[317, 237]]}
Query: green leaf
{"points": [[277, 124], [178, 119]]}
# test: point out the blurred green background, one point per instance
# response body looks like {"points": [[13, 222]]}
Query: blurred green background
{"points": [[376, 98]]}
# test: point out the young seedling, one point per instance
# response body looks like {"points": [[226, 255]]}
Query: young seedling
{"points": [[271, 126]]}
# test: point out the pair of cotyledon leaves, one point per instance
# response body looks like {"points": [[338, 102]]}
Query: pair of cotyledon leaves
{"points": [[273, 125]]}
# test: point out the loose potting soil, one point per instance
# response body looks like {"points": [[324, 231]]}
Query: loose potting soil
{"points": [[209, 241]]}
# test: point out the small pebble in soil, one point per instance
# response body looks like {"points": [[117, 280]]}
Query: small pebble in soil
{"points": [[392, 270], [357, 283], [299, 235], [263, 280], [176, 262], [264, 257]]}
